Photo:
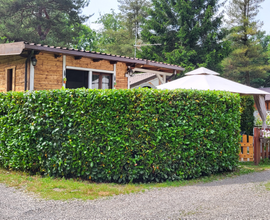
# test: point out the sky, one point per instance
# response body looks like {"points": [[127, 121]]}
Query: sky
{"points": [[104, 6]]}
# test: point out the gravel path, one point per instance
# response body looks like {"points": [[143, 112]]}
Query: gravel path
{"points": [[243, 197]]}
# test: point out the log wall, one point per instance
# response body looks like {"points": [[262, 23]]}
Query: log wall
{"points": [[9, 62], [49, 71]]}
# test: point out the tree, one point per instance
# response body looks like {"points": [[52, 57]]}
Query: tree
{"points": [[87, 40], [44, 21], [264, 40], [190, 33], [114, 36], [133, 12], [248, 61]]}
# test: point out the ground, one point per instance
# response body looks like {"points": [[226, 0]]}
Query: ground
{"points": [[237, 197]]}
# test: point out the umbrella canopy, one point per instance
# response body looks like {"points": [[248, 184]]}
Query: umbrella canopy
{"points": [[205, 79]]}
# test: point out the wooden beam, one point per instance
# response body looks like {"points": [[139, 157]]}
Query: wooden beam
{"points": [[151, 71], [160, 78]]}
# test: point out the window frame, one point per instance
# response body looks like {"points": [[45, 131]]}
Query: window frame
{"points": [[100, 74]]}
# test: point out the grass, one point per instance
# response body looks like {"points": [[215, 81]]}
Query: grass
{"points": [[62, 189]]}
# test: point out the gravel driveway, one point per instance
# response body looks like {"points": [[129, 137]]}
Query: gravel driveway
{"points": [[243, 197]]}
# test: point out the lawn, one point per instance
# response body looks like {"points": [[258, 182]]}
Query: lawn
{"points": [[62, 189]]}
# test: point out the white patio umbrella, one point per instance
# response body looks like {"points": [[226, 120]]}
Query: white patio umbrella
{"points": [[205, 79]]}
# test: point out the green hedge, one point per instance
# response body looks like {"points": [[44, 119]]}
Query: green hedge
{"points": [[120, 135], [247, 115]]}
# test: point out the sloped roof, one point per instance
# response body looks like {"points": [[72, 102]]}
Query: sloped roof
{"points": [[202, 71], [209, 81], [140, 77], [18, 47]]}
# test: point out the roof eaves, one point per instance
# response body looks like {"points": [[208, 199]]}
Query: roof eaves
{"points": [[98, 55], [84, 53], [165, 65]]}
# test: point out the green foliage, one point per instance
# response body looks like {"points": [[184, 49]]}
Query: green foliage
{"points": [[4, 40], [118, 32], [87, 40], [43, 21], [120, 135], [248, 61], [190, 33], [247, 114], [133, 13], [114, 37]]}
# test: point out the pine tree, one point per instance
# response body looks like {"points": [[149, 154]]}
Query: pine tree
{"points": [[133, 12], [248, 61], [190, 33], [43, 21]]}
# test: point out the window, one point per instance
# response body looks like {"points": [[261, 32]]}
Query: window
{"points": [[10, 79], [76, 79], [101, 81], [88, 79]]}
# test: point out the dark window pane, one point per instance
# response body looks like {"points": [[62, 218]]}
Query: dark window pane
{"points": [[76, 79]]}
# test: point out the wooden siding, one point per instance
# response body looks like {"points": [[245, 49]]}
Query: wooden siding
{"points": [[16, 62], [49, 71], [85, 62], [121, 68], [121, 79]]}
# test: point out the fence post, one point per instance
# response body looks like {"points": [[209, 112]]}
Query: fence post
{"points": [[257, 149]]}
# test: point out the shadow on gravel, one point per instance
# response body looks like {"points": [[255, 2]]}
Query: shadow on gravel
{"points": [[256, 177]]}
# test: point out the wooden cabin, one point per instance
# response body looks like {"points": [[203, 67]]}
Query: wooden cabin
{"points": [[28, 66]]}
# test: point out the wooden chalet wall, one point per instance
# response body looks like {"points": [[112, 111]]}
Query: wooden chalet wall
{"points": [[49, 70], [10, 62], [121, 80]]}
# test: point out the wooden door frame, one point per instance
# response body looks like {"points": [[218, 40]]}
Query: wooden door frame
{"points": [[13, 68]]}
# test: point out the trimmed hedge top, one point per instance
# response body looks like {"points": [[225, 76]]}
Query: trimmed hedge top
{"points": [[137, 135]]}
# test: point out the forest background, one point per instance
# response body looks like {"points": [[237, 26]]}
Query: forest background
{"points": [[224, 35]]}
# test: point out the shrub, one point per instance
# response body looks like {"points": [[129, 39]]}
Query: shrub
{"points": [[120, 135], [247, 115]]}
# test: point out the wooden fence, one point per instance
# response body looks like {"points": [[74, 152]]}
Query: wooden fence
{"points": [[246, 149], [261, 146], [254, 148]]}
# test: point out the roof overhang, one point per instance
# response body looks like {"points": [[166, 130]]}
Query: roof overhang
{"points": [[12, 49], [18, 47]]}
